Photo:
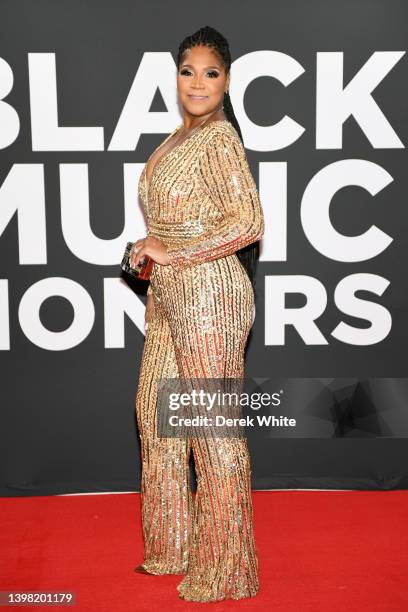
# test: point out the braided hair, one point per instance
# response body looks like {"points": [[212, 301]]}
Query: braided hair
{"points": [[210, 37]]}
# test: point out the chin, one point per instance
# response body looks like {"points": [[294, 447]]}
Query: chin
{"points": [[199, 108]]}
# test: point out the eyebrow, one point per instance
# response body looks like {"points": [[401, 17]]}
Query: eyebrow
{"points": [[190, 66]]}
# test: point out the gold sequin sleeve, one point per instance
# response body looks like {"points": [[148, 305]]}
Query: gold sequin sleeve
{"points": [[149, 290], [225, 175]]}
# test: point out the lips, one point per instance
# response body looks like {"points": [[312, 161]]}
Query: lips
{"points": [[197, 97]]}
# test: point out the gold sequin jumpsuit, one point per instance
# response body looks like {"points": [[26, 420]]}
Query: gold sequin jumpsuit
{"points": [[202, 202]]}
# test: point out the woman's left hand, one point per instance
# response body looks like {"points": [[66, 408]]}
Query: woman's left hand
{"points": [[153, 247]]}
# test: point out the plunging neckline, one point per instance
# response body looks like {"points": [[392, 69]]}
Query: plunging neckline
{"points": [[149, 183]]}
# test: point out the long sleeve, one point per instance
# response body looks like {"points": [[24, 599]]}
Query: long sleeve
{"points": [[224, 171]]}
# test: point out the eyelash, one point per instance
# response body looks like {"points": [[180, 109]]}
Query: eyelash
{"points": [[185, 70]]}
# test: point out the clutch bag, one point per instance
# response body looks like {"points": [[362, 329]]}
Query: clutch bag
{"points": [[142, 270]]}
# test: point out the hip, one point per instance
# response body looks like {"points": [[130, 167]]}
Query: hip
{"points": [[220, 284]]}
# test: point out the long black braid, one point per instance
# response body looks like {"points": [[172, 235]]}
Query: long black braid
{"points": [[210, 37]]}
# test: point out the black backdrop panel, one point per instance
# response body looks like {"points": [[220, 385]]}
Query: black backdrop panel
{"points": [[87, 90]]}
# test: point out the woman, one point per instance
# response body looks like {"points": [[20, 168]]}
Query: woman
{"points": [[202, 208]]}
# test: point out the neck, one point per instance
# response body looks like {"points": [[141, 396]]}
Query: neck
{"points": [[190, 122]]}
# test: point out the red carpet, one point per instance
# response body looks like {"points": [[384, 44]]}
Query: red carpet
{"points": [[319, 551]]}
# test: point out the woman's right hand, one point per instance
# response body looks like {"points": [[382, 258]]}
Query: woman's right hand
{"points": [[149, 308]]}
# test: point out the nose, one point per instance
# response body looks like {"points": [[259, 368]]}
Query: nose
{"points": [[197, 83]]}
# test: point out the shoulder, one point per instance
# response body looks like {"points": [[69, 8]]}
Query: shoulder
{"points": [[219, 129], [221, 133]]}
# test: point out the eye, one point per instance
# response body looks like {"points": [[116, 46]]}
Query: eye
{"points": [[212, 73]]}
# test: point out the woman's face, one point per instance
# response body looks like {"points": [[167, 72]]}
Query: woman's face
{"points": [[201, 81]]}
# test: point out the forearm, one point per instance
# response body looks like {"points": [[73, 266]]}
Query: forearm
{"points": [[230, 236]]}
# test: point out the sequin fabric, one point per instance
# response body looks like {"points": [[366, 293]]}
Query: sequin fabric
{"points": [[202, 202]]}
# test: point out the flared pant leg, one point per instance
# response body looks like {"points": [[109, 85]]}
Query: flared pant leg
{"points": [[223, 559], [165, 488]]}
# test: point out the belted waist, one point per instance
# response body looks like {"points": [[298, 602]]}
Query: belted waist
{"points": [[175, 232]]}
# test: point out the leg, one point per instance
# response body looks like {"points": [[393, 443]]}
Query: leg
{"points": [[165, 487], [223, 560]]}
